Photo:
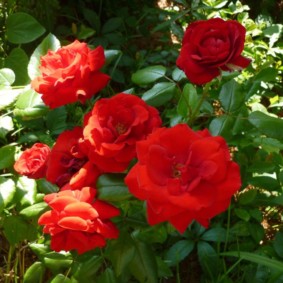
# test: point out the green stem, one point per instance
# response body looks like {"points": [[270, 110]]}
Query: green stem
{"points": [[9, 263], [228, 228], [205, 94]]}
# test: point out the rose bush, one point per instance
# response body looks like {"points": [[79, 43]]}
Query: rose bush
{"points": [[78, 221], [183, 176], [210, 46], [33, 161], [70, 74], [113, 127], [148, 186]]}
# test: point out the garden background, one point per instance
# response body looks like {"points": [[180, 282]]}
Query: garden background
{"points": [[142, 41]]}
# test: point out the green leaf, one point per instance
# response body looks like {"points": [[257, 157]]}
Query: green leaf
{"points": [[178, 75], [26, 191], [242, 214], [8, 96], [143, 265], [208, 259], [221, 126], [159, 94], [46, 187], [258, 259], [57, 262], [7, 156], [267, 75], [178, 252], [152, 234], [112, 25], [257, 231], [39, 249], [267, 125], [217, 234], [23, 28], [121, 252], [188, 101], [111, 187], [61, 278], [50, 42], [110, 55], [87, 268], [7, 77], [56, 120], [278, 243], [148, 75], [107, 276], [34, 273], [29, 106], [231, 96], [34, 210], [247, 197], [6, 126], [16, 229], [264, 182], [7, 192], [18, 62]]}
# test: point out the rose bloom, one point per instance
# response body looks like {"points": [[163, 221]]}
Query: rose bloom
{"points": [[211, 46], [33, 161], [68, 164], [183, 176], [113, 127], [70, 74], [78, 221]]}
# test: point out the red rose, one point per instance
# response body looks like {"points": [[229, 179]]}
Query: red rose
{"points": [[70, 74], [211, 46], [33, 161], [67, 163], [77, 221], [114, 126], [183, 176]]}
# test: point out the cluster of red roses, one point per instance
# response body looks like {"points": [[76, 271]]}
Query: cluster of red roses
{"points": [[181, 174]]}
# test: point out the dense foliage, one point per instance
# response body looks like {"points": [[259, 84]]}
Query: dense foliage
{"points": [[99, 216]]}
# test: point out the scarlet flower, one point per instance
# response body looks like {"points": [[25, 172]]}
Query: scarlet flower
{"points": [[113, 127], [78, 221], [33, 161], [183, 176], [68, 164], [210, 46], [70, 74]]}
